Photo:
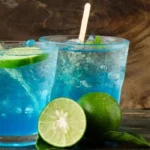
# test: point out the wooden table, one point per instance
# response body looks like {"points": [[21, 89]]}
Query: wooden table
{"points": [[136, 120]]}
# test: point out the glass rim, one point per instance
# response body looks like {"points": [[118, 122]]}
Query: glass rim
{"points": [[124, 41], [20, 42], [38, 48], [77, 47]]}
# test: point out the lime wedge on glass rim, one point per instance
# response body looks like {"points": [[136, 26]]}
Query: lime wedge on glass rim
{"points": [[17, 57], [62, 123]]}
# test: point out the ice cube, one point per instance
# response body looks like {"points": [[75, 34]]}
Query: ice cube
{"points": [[74, 41], [30, 42], [73, 44], [90, 38], [43, 94], [114, 75], [28, 110], [85, 84]]}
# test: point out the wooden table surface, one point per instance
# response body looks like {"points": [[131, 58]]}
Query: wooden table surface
{"points": [[136, 120]]}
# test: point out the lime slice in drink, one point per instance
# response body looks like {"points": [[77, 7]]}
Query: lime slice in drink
{"points": [[62, 123], [22, 56]]}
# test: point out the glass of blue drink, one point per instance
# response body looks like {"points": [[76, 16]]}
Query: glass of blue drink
{"points": [[84, 68], [26, 79]]}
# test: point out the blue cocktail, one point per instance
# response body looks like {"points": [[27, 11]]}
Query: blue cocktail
{"points": [[26, 79], [84, 68]]}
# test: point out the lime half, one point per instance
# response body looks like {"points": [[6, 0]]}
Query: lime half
{"points": [[22, 56], [62, 123]]}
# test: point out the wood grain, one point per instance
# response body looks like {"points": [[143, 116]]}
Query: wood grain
{"points": [[21, 20]]}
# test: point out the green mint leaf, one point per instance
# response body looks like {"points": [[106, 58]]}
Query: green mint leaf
{"points": [[138, 136], [132, 138], [97, 40]]}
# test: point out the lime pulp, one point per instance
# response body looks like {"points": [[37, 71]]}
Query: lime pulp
{"points": [[62, 123]]}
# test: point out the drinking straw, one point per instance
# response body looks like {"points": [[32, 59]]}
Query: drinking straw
{"points": [[84, 22]]}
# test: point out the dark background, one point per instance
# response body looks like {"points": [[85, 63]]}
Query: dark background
{"points": [[25, 19]]}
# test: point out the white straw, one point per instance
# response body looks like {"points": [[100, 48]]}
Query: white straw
{"points": [[84, 22]]}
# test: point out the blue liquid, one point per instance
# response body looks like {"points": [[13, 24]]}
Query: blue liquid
{"points": [[76, 92], [24, 92], [82, 72]]}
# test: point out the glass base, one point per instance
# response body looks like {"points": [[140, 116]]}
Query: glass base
{"points": [[18, 141]]}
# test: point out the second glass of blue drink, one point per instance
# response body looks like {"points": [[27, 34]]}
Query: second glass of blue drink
{"points": [[84, 68]]}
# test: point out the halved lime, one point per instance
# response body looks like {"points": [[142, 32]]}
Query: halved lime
{"points": [[62, 123], [22, 56]]}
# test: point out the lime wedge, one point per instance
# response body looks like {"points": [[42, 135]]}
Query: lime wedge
{"points": [[62, 123], [22, 56]]}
